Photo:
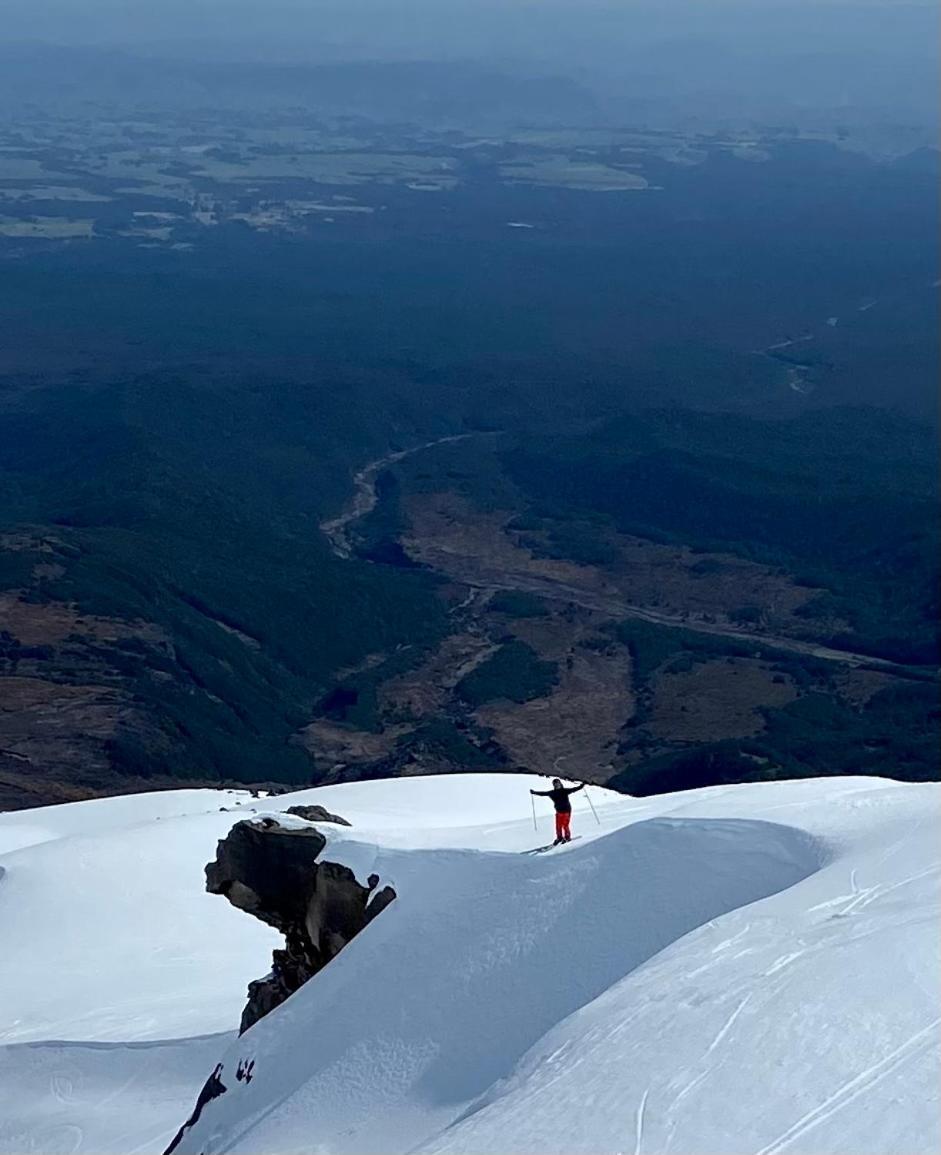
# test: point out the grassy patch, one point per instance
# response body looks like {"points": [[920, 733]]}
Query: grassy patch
{"points": [[563, 171], [893, 736], [47, 228]]}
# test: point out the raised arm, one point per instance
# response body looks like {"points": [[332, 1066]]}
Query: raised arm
{"points": [[542, 793], [575, 789]]}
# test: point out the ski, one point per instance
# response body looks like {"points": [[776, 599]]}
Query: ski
{"points": [[550, 846]]}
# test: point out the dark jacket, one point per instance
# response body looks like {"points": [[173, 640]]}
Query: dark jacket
{"points": [[560, 797]]}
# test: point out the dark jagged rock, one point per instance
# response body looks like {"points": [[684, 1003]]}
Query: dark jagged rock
{"points": [[267, 869], [380, 900], [271, 871], [317, 814]]}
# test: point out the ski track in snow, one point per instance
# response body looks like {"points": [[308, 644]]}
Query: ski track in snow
{"points": [[727, 1026], [674, 982], [864, 1081], [639, 1129]]}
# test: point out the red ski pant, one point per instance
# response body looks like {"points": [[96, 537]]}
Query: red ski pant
{"points": [[562, 821]]}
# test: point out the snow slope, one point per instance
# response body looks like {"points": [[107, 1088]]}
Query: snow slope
{"points": [[106, 932], [741, 969], [97, 1097]]}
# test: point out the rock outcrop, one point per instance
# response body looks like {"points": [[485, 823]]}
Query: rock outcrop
{"points": [[271, 870], [316, 814]]}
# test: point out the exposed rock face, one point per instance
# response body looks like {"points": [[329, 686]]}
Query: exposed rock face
{"points": [[317, 814], [272, 872]]}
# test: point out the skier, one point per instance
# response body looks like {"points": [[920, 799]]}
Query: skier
{"points": [[563, 808]]}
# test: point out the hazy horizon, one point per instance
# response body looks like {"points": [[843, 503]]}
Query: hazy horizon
{"points": [[873, 63], [414, 29]]}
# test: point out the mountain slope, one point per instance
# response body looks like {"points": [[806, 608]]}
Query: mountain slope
{"points": [[746, 968]]}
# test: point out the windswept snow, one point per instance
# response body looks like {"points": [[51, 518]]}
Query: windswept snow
{"points": [[107, 935], [103, 815], [97, 1097], [742, 969]]}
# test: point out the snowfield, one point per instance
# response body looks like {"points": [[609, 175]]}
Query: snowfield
{"points": [[747, 969]]}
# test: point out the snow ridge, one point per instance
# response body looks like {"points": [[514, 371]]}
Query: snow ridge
{"points": [[742, 969]]}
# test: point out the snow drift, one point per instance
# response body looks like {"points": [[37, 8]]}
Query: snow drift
{"points": [[741, 969]]}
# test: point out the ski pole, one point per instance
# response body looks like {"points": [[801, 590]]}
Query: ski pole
{"points": [[592, 805], [533, 801]]}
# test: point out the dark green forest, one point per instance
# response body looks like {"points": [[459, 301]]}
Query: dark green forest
{"points": [[845, 498], [175, 425]]}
